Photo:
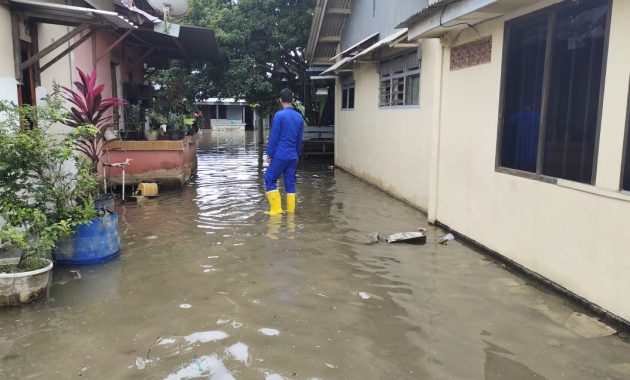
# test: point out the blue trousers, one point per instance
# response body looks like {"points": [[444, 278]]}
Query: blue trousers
{"points": [[279, 167]]}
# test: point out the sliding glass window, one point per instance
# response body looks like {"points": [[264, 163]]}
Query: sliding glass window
{"points": [[552, 85]]}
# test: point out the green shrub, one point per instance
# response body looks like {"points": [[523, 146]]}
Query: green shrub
{"points": [[46, 188]]}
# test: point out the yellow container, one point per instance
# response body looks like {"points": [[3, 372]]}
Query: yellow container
{"points": [[148, 189]]}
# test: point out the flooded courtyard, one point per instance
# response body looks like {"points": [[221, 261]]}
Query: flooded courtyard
{"points": [[208, 286]]}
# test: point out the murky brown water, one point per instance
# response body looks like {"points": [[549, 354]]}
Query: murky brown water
{"points": [[207, 286]]}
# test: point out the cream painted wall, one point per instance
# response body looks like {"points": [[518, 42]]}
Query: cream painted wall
{"points": [[388, 147], [61, 71], [8, 84], [575, 235]]}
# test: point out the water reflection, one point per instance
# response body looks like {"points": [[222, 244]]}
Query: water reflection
{"points": [[209, 286]]}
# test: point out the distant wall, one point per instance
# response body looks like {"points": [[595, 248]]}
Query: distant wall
{"points": [[376, 16]]}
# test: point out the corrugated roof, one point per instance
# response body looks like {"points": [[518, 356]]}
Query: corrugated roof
{"points": [[83, 15], [425, 12], [329, 17]]}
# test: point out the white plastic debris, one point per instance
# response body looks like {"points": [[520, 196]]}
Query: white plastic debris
{"points": [[364, 296], [407, 237], [446, 238]]}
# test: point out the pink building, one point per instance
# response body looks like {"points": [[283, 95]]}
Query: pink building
{"points": [[118, 38]]}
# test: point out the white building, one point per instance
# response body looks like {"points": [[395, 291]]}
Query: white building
{"points": [[516, 137], [226, 114]]}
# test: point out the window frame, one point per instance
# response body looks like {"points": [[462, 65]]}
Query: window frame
{"points": [[625, 158], [552, 13], [390, 76], [347, 85]]}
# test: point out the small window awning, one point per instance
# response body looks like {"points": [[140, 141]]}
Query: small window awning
{"points": [[390, 41], [352, 50], [338, 65], [62, 14], [387, 41]]}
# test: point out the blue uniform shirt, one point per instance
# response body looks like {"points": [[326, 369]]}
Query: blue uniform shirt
{"points": [[285, 139]]}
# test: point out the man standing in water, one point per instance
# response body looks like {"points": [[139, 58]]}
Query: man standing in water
{"points": [[283, 150]]}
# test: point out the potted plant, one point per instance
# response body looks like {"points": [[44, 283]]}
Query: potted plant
{"points": [[41, 201], [157, 120], [177, 126], [97, 241]]}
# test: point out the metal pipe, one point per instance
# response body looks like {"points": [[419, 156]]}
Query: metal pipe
{"points": [[123, 183]]}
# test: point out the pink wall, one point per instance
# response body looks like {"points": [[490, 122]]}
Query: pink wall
{"points": [[130, 70]]}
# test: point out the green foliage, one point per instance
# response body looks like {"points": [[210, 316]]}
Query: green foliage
{"points": [[299, 106], [176, 122], [41, 197], [263, 43]]}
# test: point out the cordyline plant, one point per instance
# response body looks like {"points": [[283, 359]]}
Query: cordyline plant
{"points": [[88, 116]]}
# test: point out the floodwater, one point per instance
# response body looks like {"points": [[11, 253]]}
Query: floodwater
{"points": [[207, 286]]}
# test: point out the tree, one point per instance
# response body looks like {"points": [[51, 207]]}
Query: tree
{"points": [[263, 44]]}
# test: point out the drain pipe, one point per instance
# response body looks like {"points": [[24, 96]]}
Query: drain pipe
{"points": [[434, 45]]}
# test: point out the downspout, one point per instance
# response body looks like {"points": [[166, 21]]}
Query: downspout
{"points": [[434, 168]]}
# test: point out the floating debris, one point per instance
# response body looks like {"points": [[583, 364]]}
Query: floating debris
{"points": [[142, 363], [407, 237], [76, 274], [446, 238], [332, 366], [151, 237], [185, 306], [237, 324], [364, 296], [373, 238]]}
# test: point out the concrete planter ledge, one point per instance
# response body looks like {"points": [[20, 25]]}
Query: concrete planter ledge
{"points": [[167, 162]]}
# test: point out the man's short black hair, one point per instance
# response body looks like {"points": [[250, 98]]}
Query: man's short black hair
{"points": [[286, 95]]}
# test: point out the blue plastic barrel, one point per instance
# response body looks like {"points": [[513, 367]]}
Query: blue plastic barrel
{"points": [[91, 243]]}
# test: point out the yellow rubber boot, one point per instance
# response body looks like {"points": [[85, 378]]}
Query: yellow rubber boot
{"points": [[275, 202], [291, 202]]}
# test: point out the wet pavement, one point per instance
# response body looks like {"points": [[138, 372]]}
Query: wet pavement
{"points": [[207, 286]]}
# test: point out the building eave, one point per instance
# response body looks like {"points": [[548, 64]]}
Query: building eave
{"points": [[449, 15]]}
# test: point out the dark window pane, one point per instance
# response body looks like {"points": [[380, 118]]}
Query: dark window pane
{"points": [[213, 112], [351, 97], [574, 90], [222, 112], [523, 94], [398, 91], [344, 98]]}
